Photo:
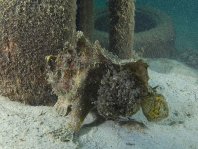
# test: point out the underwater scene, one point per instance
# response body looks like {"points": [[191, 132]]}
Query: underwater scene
{"points": [[98, 74]]}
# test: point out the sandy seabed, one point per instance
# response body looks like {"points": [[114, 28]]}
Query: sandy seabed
{"points": [[26, 127]]}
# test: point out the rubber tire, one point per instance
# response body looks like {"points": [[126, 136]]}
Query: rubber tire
{"points": [[153, 43]]}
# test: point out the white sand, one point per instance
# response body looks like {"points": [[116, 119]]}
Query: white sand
{"points": [[25, 127]]}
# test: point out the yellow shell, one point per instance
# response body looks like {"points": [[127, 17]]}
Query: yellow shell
{"points": [[155, 107]]}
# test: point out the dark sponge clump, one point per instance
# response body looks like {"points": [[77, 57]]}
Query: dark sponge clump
{"points": [[120, 94]]}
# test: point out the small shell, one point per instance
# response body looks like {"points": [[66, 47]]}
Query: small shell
{"points": [[155, 107]]}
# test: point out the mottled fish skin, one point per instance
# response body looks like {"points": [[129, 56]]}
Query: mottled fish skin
{"points": [[90, 77]]}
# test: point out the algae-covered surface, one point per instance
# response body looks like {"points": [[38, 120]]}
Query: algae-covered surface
{"points": [[183, 14], [27, 127], [32, 127]]}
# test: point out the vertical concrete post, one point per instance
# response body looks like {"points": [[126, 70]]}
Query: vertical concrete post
{"points": [[85, 20], [32, 31], [70, 24], [121, 37]]}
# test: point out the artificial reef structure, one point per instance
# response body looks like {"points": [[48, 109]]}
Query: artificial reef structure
{"points": [[85, 17], [31, 30], [82, 75], [154, 33]]}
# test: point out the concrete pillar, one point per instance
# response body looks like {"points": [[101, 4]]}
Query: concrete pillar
{"points": [[121, 37]]}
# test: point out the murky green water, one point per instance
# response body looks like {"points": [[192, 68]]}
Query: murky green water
{"points": [[183, 14]]}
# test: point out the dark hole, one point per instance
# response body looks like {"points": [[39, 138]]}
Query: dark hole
{"points": [[69, 109], [143, 22]]}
